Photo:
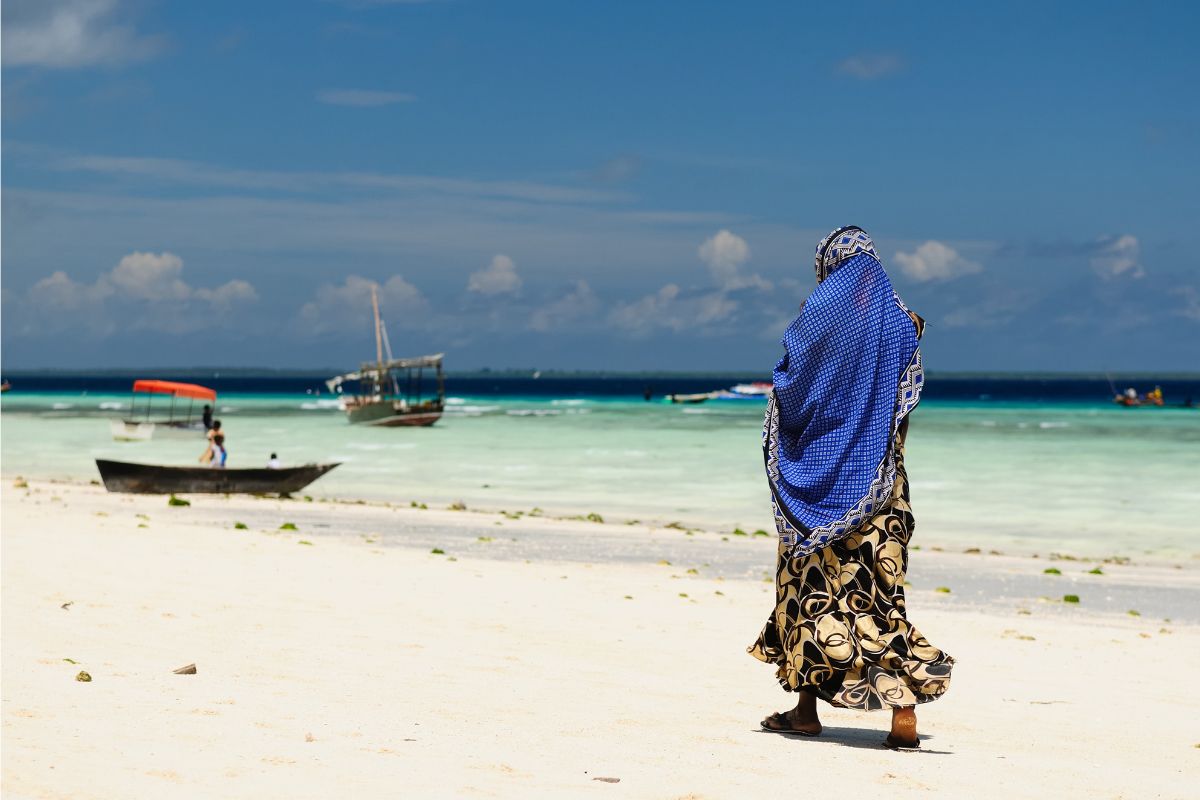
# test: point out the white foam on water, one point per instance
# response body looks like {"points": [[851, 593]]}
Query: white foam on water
{"points": [[1045, 425], [321, 405], [62, 406], [112, 406], [572, 402], [455, 401], [696, 411], [533, 412], [471, 411]]}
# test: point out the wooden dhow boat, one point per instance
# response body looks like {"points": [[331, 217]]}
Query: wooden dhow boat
{"points": [[123, 476], [390, 390]]}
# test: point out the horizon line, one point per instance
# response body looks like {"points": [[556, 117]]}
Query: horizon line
{"points": [[530, 372]]}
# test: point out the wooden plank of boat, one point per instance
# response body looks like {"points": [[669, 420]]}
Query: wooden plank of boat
{"points": [[123, 476]]}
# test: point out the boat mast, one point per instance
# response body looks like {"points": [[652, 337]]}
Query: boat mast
{"points": [[378, 339]]}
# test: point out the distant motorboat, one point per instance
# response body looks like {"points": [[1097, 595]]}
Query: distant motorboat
{"points": [[757, 390], [123, 476], [180, 422]]}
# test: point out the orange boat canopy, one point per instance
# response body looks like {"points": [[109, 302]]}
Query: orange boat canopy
{"points": [[190, 390]]}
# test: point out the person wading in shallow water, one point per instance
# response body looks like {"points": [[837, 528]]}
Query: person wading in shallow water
{"points": [[833, 446]]}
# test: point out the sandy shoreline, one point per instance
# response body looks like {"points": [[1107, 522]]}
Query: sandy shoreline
{"points": [[363, 665]]}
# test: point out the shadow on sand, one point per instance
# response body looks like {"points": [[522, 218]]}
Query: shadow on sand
{"points": [[857, 738]]}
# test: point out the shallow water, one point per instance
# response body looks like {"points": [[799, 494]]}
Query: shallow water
{"points": [[1018, 477]]}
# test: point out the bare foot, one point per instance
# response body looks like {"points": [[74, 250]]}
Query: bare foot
{"points": [[904, 729]]}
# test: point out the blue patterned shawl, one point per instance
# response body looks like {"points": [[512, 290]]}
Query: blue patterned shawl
{"points": [[850, 375]]}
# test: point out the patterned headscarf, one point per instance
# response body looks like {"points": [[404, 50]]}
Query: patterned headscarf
{"points": [[839, 246], [850, 374]]}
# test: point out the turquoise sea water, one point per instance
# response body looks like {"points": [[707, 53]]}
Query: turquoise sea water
{"points": [[1019, 477]]}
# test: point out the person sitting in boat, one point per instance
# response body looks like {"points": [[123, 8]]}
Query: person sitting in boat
{"points": [[1155, 398], [274, 463], [1129, 398], [207, 417]]}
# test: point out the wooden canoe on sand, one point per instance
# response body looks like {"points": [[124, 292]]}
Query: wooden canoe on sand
{"points": [[122, 476]]}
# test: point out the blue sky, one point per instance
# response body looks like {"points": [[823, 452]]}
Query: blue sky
{"points": [[593, 185]]}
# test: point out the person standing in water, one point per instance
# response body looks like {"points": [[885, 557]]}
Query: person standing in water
{"points": [[214, 455], [833, 446]]}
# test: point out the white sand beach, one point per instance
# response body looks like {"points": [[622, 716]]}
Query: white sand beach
{"points": [[336, 664]]}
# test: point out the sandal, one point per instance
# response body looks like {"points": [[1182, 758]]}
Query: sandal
{"points": [[784, 725], [893, 743]]}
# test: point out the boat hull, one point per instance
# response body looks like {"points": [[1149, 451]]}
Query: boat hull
{"points": [[126, 430], [123, 476], [392, 415]]}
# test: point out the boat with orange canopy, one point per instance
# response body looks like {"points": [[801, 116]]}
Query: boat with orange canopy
{"points": [[179, 417]]}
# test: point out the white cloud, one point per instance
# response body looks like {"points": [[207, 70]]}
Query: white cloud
{"points": [[227, 295], [72, 33], [673, 309], [362, 98], [195, 173], [499, 277], [1191, 302], [724, 253], [642, 316], [572, 307], [150, 276], [143, 291], [334, 308], [1118, 255], [869, 66], [935, 261], [618, 169], [59, 293]]}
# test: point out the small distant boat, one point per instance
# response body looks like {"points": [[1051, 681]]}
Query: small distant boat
{"points": [[692, 398], [179, 421], [757, 390], [123, 476], [5, 386], [754, 389], [1131, 399], [390, 390]]}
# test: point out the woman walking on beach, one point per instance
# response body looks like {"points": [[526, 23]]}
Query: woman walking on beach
{"points": [[833, 444]]}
